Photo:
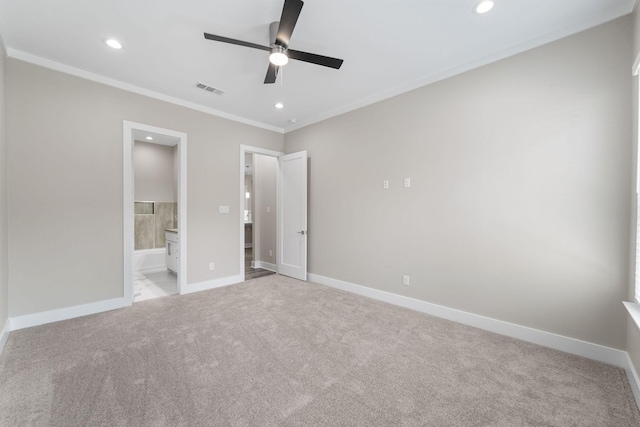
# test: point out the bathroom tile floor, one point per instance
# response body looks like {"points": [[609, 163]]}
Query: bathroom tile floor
{"points": [[154, 285]]}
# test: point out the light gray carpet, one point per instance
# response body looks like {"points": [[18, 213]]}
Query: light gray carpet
{"points": [[276, 351]]}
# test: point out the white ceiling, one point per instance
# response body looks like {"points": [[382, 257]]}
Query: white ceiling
{"points": [[388, 47]]}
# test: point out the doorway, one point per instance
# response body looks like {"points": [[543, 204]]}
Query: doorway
{"points": [[289, 253], [154, 211], [260, 189]]}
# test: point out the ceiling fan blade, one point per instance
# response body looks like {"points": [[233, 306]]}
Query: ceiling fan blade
{"points": [[234, 41], [290, 12], [325, 61], [272, 73]]}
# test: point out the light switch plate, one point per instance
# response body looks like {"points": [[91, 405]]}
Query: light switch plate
{"points": [[224, 209]]}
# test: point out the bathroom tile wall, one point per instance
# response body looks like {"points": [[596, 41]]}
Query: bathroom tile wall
{"points": [[144, 235], [150, 221], [166, 216]]}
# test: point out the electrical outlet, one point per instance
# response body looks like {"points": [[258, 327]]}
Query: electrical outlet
{"points": [[407, 183], [405, 280], [385, 184], [270, 252], [212, 266]]}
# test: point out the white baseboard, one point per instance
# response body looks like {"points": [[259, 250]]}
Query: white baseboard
{"points": [[211, 284], [586, 349], [4, 335], [35, 319], [266, 265]]}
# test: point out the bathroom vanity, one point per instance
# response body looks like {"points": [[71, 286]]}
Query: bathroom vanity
{"points": [[171, 235]]}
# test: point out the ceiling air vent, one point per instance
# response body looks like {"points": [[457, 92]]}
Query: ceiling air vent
{"points": [[209, 88]]}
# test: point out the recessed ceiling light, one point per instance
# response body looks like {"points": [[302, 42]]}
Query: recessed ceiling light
{"points": [[113, 43], [150, 138], [483, 7], [279, 105]]}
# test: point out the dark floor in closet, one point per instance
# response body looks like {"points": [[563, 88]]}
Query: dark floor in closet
{"points": [[250, 272]]}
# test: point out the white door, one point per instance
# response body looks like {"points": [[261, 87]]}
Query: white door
{"points": [[292, 215]]}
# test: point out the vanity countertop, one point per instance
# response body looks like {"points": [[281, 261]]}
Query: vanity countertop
{"points": [[171, 230]]}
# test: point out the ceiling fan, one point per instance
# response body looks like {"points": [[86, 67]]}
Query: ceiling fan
{"points": [[279, 35]]}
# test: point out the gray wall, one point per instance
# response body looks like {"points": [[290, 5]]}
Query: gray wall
{"points": [[153, 166], [519, 203], [64, 139], [633, 333], [265, 176], [4, 278]]}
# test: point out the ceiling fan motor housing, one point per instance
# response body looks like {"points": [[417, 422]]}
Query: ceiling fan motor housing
{"points": [[273, 32]]}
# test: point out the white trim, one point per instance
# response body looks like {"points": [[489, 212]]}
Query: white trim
{"points": [[635, 70], [632, 374], [128, 223], [35, 319], [244, 149], [266, 266], [67, 69], [634, 311], [182, 213], [634, 380], [212, 284], [593, 351], [424, 81], [4, 335], [128, 199]]}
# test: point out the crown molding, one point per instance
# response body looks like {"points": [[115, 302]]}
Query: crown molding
{"points": [[77, 72]]}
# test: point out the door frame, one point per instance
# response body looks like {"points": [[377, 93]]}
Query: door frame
{"points": [[247, 149], [128, 199]]}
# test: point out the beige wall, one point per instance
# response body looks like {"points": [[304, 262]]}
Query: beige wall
{"points": [[65, 144], [4, 277], [520, 175], [265, 174], [154, 172]]}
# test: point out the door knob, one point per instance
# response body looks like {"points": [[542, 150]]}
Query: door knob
{"points": [[302, 232]]}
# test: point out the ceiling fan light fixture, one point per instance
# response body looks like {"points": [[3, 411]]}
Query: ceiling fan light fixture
{"points": [[483, 7], [278, 56]]}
